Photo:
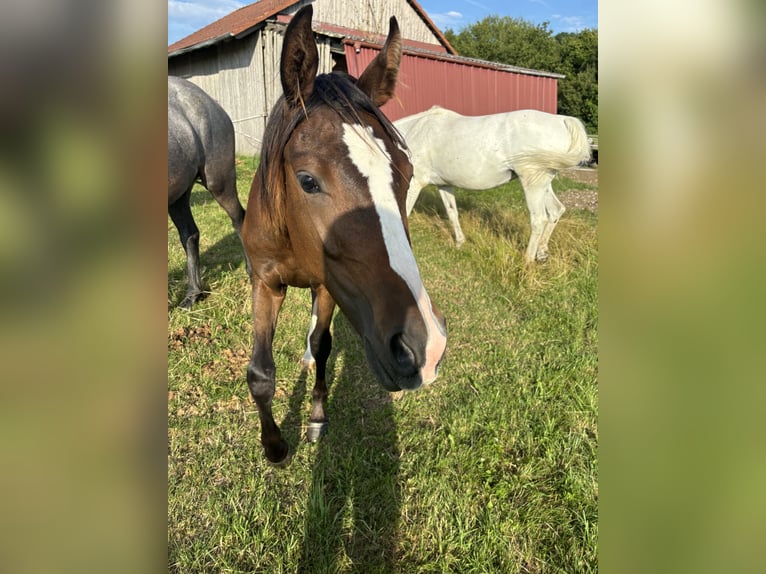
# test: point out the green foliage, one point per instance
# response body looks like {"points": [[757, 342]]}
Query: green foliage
{"points": [[578, 92], [493, 468], [507, 40], [521, 43]]}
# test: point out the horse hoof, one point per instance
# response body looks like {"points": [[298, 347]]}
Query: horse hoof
{"points": [[280, 456], [315, 430], [191, 299], [186, 303], [284, 463]]}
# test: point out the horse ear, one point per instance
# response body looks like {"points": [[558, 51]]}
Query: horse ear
{"points": [[300, 59], [379, 78]]}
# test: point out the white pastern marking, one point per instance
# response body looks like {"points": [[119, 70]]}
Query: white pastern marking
{"points": [[373, 161], [308, 358]]}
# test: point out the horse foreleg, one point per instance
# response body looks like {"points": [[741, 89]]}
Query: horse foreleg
{"points": [[320, 342], [307, 361], [554, 209], [413, 192], [181, 215], [261, 372], [450, 206]]}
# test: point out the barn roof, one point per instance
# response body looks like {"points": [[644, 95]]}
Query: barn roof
{"points": [[241, 22], [425, 50], [414, 48]]}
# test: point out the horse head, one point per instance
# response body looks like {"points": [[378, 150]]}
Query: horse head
{"points": [[334, 178]]}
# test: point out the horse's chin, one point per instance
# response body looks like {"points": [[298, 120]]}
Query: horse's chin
{"points": [[390, 382]]}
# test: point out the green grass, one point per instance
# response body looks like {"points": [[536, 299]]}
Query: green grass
{"points": [[493, 468]]}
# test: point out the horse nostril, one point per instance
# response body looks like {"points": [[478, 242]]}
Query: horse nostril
{"points": [[403, 355]]}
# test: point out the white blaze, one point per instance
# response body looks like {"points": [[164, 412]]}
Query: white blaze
{"points": [[373, 161]]}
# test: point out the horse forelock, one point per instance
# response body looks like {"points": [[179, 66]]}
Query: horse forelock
{"points": [[337, 91]]}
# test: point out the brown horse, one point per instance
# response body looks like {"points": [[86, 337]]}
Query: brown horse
{"points": [[327, 211]]}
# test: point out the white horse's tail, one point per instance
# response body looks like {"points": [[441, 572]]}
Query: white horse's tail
{"points": [[579, 146], [535, 165]]}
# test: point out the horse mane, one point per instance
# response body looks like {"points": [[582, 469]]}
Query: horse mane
{"points": [[336, 90]]}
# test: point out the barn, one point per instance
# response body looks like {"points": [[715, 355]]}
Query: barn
{"points": [[236, 60]]}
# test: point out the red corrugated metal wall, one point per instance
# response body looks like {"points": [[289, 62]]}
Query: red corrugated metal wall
{"points": [[466, 89]]}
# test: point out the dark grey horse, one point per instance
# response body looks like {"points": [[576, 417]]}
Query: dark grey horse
{"points": [[200, 148]]}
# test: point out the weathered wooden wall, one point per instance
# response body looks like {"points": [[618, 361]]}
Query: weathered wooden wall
{"points": [[373, 16], [243, 76]]}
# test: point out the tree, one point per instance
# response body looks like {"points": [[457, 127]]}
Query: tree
{"points": [[520, 43], [508, 40], [578, 92]]}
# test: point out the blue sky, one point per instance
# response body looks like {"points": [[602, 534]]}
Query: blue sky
{"points": [[187, 16], [562, 15]]}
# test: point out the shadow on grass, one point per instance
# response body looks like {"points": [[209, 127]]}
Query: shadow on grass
{"points": [[354, 501]]}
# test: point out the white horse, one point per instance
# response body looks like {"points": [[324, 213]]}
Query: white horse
{"points": [[482, 152]]}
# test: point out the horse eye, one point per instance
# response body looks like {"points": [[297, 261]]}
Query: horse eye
{"points": [[308, 183]]}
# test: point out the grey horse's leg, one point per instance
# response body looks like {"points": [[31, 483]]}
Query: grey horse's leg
{"points": [[181, 215], [224, 189]]}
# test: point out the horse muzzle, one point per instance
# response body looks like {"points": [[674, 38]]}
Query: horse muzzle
{"points": [[403, 364], [393, 376]]}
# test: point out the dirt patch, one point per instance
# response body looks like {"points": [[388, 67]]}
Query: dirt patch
{"points": [[582, 174], [183, 335], [580, 198]]}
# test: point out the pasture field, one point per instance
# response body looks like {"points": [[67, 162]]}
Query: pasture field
{"points": [[493, 468]]}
